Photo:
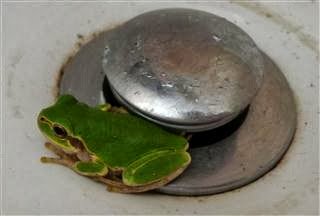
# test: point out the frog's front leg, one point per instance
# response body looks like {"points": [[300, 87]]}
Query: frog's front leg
{"points": [[109, 108], [87, 168], [63, 159], [104, 107]]}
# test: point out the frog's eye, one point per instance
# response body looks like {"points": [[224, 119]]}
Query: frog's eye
{"points": [[59, 131]]}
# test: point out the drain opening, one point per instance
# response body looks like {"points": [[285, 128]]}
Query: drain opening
{"points": [[215, 135], [107, 93], [198, 139]]}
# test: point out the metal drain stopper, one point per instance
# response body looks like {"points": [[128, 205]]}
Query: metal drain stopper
{"points": [[261, 138], [182, 68]]}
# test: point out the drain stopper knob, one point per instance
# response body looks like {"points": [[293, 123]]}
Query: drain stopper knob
{"points": [[184, 69]]}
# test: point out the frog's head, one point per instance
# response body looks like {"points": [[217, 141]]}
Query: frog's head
{"points": [[54, 122]]}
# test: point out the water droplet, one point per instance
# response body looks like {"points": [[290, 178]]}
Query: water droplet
{"points": [[169, 85], [163, 74], [216, 38], [138, 42], [219, 61], [125, 72], [105, 55], [106, 51], [149, 76], [137, 93], [106, 48], [196, 100], [195, 83], [143, 60], [104, 60], [189, 88]]}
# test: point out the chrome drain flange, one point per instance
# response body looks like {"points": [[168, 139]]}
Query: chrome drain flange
{"points": [[193, 71]]}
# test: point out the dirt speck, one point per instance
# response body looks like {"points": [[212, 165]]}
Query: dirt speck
{"points": [[80, 36], [288, 202], [200, 200], [16, 59], [10, 78], [305, 123], [28, 136], [79, 45], [17, 112], [268, 15], [311, 85]]}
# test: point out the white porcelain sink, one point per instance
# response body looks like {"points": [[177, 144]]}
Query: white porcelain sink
{"points": [[38, 37]]}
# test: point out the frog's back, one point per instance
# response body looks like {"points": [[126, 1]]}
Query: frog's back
{"points": [[122, 138]]}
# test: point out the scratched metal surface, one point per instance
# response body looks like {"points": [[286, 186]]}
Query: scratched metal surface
{"points": [[183, 68], [283, 31]]}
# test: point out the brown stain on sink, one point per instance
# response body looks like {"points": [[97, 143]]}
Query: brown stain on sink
{"points": [[306, 39]]}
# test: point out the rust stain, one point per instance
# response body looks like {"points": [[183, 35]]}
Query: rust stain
{"points": [[80, 42]]}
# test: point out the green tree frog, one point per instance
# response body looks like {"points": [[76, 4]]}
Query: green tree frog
{"points": [[126, 152]]}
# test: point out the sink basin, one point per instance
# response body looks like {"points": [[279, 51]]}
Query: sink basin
{"points": [[38, 37]]}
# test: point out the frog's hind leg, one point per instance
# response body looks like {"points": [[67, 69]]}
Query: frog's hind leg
{"points": [[152, 171], [119, 187]]}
